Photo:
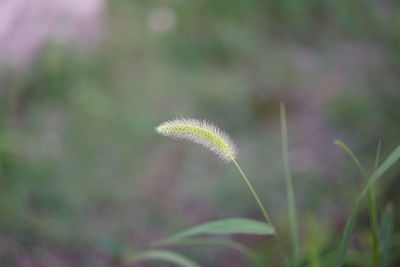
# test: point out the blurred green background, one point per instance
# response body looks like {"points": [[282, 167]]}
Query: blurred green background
{"points": [[84, 177]]}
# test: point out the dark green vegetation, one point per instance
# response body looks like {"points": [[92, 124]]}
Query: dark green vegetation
{"points": [[83, 179]]}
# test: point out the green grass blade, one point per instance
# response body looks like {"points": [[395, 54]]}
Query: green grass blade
{"points": [[374, 215], [344, 244], [316, 245], [353, 157], [289, 184], [226, 226], [378, 156], [390, 160], [161, 255], [386, 229], [371, 206], [345, 241]]}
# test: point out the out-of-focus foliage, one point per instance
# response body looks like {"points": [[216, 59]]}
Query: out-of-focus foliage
{"points": [[84, 178]]}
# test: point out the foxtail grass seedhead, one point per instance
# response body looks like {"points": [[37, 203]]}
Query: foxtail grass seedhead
{"points": [[200, 132]]}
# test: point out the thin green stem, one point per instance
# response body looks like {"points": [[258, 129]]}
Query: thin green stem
{"points": [[256, 197], [289, 184], [263, 210]]}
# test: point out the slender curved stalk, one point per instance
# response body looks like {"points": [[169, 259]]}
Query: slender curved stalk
{"points": [[289, 185], [263, 210], [256, 197]]}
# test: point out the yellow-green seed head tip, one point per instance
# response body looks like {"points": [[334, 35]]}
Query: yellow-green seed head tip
{"points": [[201, 132]]}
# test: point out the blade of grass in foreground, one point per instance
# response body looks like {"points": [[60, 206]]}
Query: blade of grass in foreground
{"points": [[390, 160], [344, 244], [289, 184], [371, 206], [226, 226], [161, 255], [385, 235], [371, 201], [374, 215]]}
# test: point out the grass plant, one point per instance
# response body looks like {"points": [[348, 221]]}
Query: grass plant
{"points": [[219, 142]]}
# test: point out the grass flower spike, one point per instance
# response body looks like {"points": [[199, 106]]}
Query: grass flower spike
{"points": [[211, 137], [201, 132]]}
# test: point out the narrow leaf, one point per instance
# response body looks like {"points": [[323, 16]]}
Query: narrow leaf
{"points": [[344, 244], [289, 184], [378, 155], [353, 157], [161, 255], [375, 256], [227, 226], [386, 229], [345, 241], [390, 160]]}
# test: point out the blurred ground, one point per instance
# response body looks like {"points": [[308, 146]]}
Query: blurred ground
{"points": [[84, 177]]}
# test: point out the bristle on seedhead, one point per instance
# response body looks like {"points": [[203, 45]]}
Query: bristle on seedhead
{"points": [[201, 132]]}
